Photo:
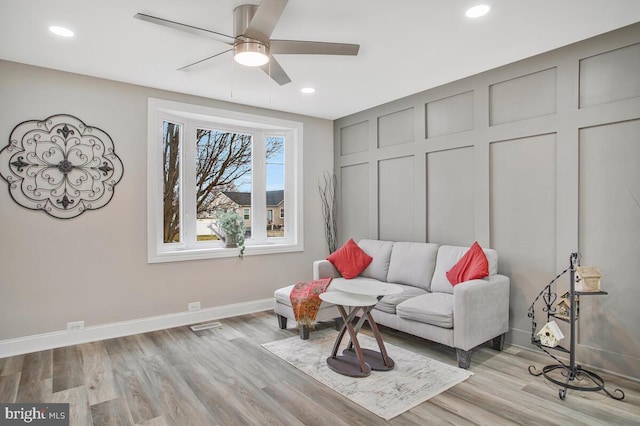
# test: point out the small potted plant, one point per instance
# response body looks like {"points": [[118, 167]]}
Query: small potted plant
{"points": [[231, 229]]}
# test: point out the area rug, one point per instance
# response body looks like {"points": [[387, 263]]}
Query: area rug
{"points": [[387, 394]]}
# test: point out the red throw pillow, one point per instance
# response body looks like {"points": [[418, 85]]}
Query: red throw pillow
{"points": [[471, 266], [350, 260]]}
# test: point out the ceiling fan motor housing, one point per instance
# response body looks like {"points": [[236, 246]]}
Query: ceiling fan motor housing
{"points": [[242, 16], [251, 45]]}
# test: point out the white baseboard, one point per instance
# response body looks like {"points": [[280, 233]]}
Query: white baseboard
{"points": [[58, 339]]}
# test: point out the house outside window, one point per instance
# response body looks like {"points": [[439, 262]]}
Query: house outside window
{"points": [[202, 160]]}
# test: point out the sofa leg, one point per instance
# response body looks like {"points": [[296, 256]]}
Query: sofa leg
{"points": [[304, 332], [338, 323], [498, 342], [464, 358], [282, 322]]}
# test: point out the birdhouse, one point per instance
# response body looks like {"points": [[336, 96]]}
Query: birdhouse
{"points": [[550, 335], [587, 278], [564, 308]]}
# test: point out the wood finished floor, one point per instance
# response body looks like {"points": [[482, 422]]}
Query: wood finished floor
{"points": [[223, 377]]}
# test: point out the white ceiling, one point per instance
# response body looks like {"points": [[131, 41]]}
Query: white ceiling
{"points": [[407, 46]]}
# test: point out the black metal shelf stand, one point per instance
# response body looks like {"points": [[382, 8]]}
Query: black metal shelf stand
{"points": [[573, 375]]}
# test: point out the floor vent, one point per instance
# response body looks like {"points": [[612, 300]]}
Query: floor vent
{"points": [[205, 326]]}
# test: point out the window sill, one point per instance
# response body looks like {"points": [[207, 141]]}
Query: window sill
{"points": [[220, 252]]}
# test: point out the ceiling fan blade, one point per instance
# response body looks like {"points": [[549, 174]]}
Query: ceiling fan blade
{"points": [[265, 20], [186, 28], [202, 60], [312, 48], [275, 71]]}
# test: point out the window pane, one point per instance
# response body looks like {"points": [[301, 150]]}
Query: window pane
{"points": [[223, 178], [172, 135], [275, 186]]}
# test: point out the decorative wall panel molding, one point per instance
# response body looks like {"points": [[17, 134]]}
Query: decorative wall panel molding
{"points": [[396, 128], [61, 166], [506, 103], [354, 138], [450, 197], [355, 197], [396, 199], [449, 115], [610, 76]]}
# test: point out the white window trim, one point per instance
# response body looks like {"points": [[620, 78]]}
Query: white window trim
{"points": [[157, 250]]}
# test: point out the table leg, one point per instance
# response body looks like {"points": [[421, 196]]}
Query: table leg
{"points": [[346, 319], [357, 329], [347, 365], [387, 361], [378, 361]]}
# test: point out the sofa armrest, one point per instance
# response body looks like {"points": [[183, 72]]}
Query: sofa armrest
{"points": [[480, 311], [324, 269]]}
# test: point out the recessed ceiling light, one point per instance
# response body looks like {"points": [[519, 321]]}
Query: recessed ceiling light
{"points": [[61, 31], [477, 11], [308, 90]]}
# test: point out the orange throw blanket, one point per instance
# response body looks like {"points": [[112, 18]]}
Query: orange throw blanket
{"points": [[305, 300]]}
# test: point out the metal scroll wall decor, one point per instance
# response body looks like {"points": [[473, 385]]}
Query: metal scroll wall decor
{"points": [[61, 166]]}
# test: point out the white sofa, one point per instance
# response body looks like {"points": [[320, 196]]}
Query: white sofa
{"points": [[462, 316]]}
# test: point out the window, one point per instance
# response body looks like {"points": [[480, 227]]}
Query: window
{"points": [[275, 146], [171, 141], [203, 160]]}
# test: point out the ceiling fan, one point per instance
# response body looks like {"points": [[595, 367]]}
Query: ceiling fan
{"points": [[251, 43]]}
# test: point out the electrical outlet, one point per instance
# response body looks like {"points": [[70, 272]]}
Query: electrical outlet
{"points": [[194, 306], [75, 326]]}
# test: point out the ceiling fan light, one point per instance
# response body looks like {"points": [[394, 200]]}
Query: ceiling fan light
{"points": [[251, 59], [251, 54]]}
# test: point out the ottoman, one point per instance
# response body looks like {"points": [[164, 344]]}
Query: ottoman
{"points": [[284, 311]]}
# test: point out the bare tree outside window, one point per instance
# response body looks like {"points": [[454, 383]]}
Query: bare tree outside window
{"points": [[224, 161], [171, 201]]}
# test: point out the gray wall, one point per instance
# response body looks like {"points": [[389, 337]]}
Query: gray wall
{"points": [[536, 159], [93, 268]]}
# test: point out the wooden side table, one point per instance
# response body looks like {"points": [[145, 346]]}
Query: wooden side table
{"points": [[345, 364], [378, 361]]}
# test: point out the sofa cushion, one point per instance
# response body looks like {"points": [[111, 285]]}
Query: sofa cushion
{"points": [[381, 253], [471, 266], [413, 264], [432, 308], [448, 256], [350, 259], [388, 303]]}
